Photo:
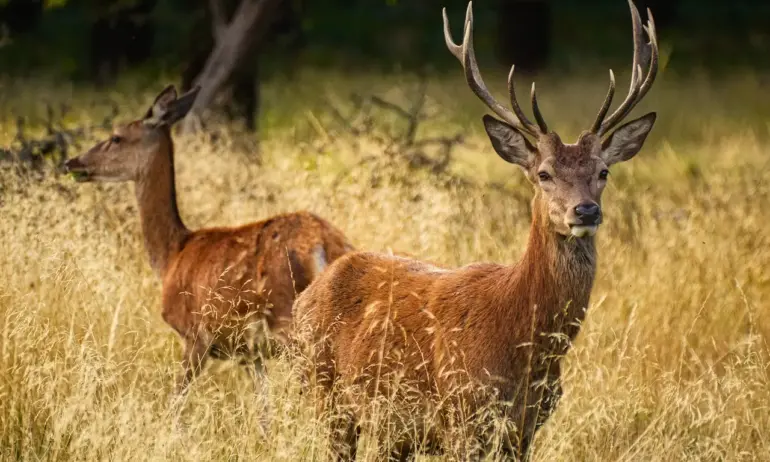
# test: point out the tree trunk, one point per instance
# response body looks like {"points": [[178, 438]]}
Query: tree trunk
{"points": [[233, 40]]}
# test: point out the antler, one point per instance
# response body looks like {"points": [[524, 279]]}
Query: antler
{"points": [[467, 56], [638, 88]]}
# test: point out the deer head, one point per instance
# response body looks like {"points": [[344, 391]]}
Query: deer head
{"points": [[132, 148], [568, 178]]}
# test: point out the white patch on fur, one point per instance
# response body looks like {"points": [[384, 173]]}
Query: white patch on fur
{"points": [[319, 259], [582, 231]]}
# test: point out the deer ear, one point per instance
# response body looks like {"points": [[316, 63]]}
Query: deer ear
{"points": [[625, 142], [181, 106], [168, 109], [510, 143], [161, 104]]}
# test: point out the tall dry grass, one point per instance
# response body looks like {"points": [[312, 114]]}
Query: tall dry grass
{"points": [[671, 364]]}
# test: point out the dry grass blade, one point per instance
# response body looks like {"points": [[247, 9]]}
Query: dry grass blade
{"points": [[671, 363]]}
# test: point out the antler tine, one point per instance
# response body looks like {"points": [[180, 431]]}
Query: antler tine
{"points": [[528, 126], [645, 86], [638, 33], [455, 49], [476, 82], [654, 55], [536, 110], [606, 106], [633, 90], [638, 88], [466, 54]]}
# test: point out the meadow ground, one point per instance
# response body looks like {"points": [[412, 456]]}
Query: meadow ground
{"points": [[671, 363]]}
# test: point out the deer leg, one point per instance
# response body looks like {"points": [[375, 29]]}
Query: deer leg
{"points": [[261, 389], [344, 436], [196, 352], [515, 446], [258, 368], [343, 427], [524, 451], [518, 452], [319, 381], [541, 410], [258, 374], [402, 453]]}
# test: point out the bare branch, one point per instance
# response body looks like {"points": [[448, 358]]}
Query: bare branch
{"points": [[390, 106], [415, 114], [247, 27], [219, 19], [433, 153], [29, 152]]}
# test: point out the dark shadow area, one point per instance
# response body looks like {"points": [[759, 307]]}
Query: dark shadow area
{"points": [[228, 46]]}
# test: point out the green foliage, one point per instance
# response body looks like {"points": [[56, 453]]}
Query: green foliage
{"points": [[54, 4], [392, 34]]}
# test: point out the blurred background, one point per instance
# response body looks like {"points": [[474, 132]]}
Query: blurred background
{"points": [[237, 45]]}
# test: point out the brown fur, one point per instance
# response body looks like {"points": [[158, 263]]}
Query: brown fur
{"points": [[226, 291], [478, 319], [451, 337], [371, 316]]}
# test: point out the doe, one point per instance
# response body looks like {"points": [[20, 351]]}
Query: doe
{"points": [[372, 317], [227, 292]]}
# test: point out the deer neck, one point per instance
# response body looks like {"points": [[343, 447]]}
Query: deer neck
{"points": [[162, 227], [556, 274]]}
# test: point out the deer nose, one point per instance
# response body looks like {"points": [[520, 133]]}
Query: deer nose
{"points": [[589, 213], [72, 164]]}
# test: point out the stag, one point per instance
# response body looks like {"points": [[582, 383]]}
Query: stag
{"points": [[372, 320], [227, 292]]}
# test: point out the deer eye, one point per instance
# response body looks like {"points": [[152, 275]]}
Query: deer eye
{"points": [[544, 176], [603, 174], [115, 139]]}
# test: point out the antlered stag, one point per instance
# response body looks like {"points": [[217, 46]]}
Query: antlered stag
{"points": [[226, 291], [371, 319]]}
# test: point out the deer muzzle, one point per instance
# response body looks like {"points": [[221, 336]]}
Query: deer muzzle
{"points": [[588, 217], [78, 170]]}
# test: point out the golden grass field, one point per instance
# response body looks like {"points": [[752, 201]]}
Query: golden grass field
{"points": [[671, 363]]}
